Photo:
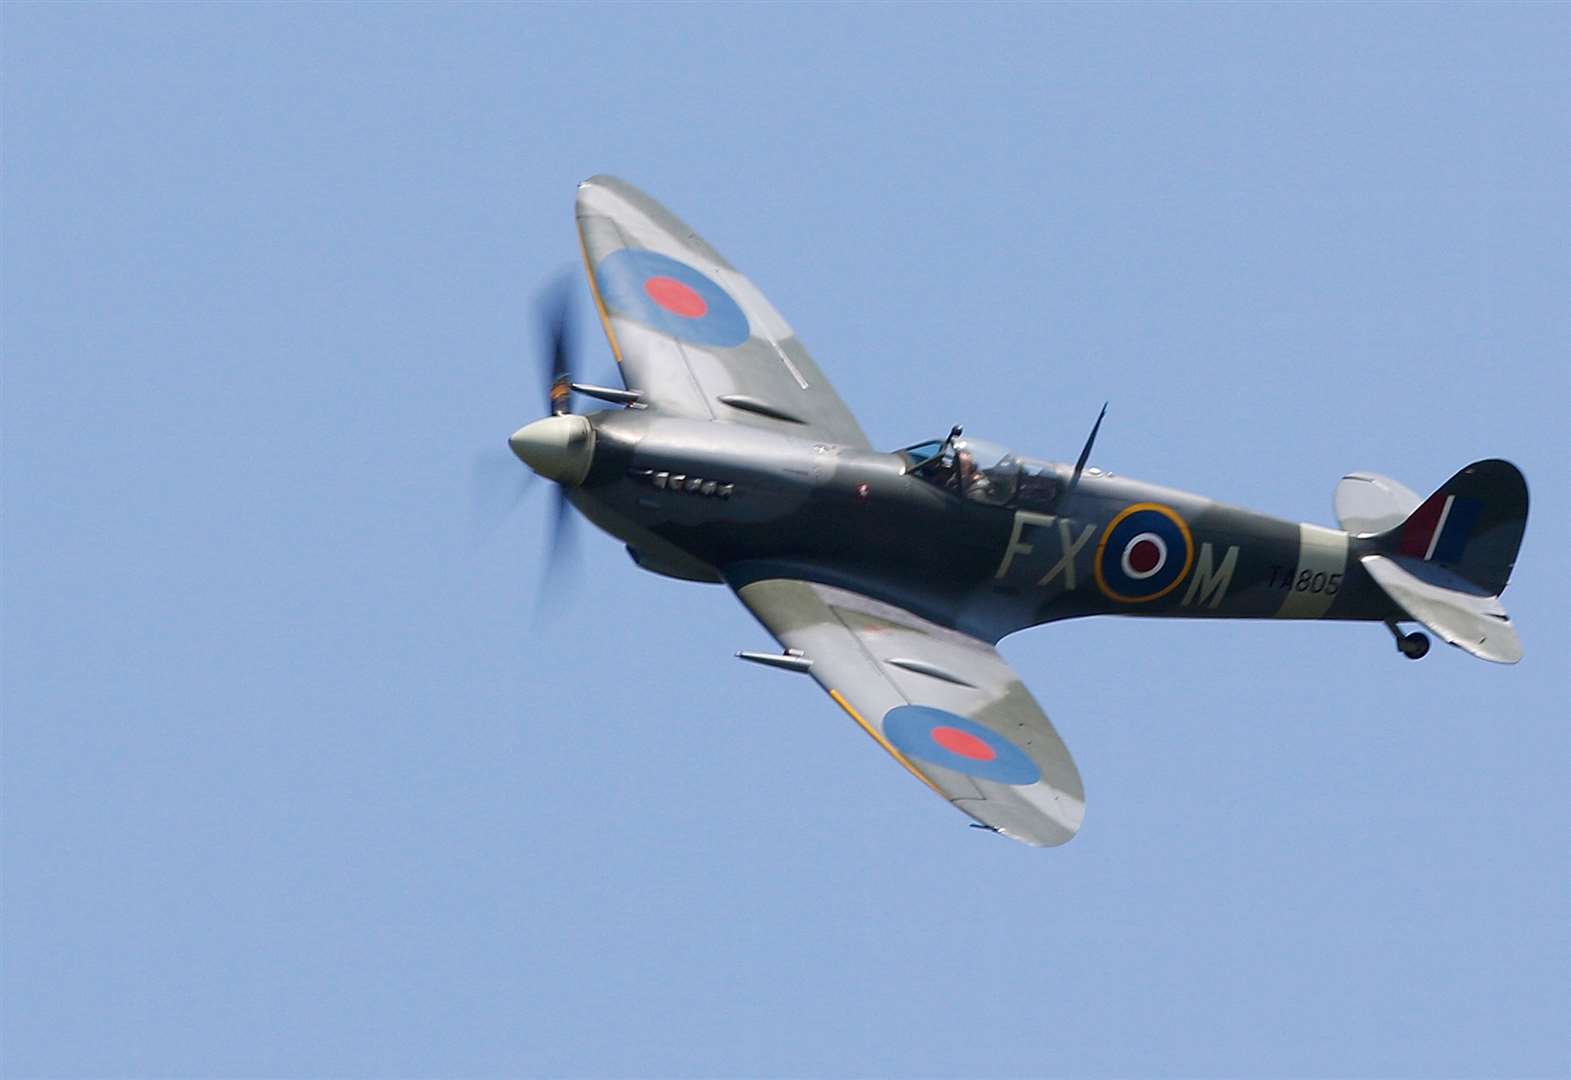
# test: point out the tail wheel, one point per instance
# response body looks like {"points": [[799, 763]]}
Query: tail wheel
{"points": [[1414, 646]]}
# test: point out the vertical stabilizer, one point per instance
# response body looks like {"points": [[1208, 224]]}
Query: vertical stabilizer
{"points": [[1447, 562], [1472, 526]]}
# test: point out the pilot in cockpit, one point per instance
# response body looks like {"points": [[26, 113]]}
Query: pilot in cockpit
{"points": [[976, 470], [985, 472], [972, 480]]}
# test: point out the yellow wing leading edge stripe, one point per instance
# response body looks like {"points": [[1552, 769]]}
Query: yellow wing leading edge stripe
{"points": [[594, 290], [878, 737]]}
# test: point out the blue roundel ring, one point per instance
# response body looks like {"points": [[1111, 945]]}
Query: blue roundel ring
{"points": [[1144, 553], [943, 738], [670, 297]]}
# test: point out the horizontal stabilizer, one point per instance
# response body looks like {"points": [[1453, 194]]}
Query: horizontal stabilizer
{"points": [[1452, 607], [1371, 503]]}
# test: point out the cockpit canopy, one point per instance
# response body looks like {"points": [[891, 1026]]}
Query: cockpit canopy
{"points": [[981, 471]]}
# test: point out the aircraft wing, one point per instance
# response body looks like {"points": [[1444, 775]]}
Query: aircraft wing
{"points": [[693, 335], [944, 705]]}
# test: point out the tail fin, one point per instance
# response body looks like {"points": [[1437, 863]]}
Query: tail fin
{"points": [[1472, 526], [1448, 561]]}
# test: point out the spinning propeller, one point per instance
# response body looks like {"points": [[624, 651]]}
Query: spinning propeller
{"points": [[555, 312], [558, 446]]}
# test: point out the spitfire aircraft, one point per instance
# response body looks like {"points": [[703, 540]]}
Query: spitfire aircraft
{"points": [[889, 576]]}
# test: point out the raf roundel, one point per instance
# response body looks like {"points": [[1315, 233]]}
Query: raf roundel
{"points": [[944, 738], [1144, 553], [671, 297]]}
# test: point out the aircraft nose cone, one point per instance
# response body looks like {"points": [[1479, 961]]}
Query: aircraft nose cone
{"points": [[558, 448]]}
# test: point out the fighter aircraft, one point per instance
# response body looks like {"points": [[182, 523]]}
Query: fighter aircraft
{"points": [[889, 576]]}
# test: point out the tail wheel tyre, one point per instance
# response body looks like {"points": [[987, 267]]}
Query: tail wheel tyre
{"points": [[1414, 646]]}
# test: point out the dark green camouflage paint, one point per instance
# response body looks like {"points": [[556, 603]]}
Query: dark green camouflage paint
{"points": [[753, 504]]}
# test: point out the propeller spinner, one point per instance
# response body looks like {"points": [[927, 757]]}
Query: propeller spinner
{"points": [[557, 447]]}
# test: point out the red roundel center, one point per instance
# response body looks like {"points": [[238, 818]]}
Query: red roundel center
{"points": [[963, 743], [1144, 556], [675, 297]]}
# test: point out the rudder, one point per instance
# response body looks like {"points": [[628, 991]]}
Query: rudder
{"points": [[1471, 526]]}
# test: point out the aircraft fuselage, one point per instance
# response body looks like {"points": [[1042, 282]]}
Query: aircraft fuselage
{"points": [[727, 502]]}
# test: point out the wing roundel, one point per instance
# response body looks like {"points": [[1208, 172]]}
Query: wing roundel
{"points": [[691, 333], [944, 705]]}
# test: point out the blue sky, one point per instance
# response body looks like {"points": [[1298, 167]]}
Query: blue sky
{"points": [[294, 784]]}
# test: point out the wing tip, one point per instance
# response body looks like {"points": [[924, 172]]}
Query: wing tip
{"points": [[1031, 827], [598, 187], [614, 185]]}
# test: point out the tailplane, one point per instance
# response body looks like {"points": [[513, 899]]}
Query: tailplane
{"points": [[1446, 560], [1371, 503]]}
